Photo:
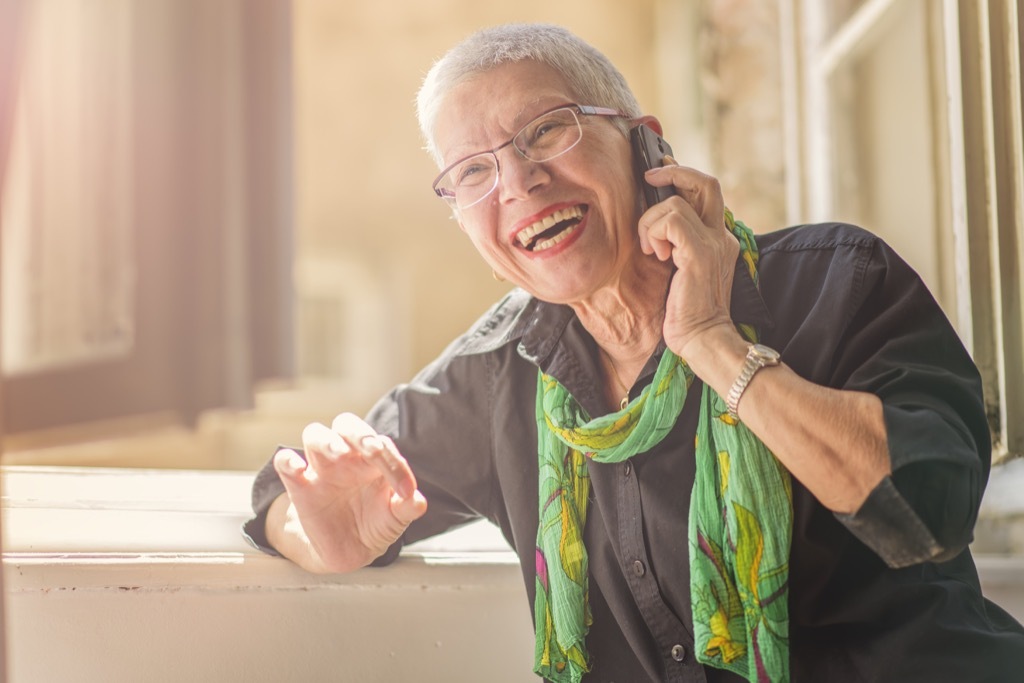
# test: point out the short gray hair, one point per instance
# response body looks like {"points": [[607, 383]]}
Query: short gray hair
{"points": [[592, 78]]}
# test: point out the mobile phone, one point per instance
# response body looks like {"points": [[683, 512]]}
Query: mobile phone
{"points": [[649, 151]]}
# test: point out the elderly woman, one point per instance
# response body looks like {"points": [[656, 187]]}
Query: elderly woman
{"points": [[687, 503]]}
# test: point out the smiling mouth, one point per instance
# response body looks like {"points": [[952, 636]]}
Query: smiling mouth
{"points": [[550, 230]]}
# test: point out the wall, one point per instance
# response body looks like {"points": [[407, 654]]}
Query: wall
{"points": [[741, 79]]}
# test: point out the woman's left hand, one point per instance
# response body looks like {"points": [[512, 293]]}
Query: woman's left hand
{"points": [[689, 228]]}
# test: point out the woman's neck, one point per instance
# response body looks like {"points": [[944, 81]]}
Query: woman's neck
{"points": [[625, 318]]}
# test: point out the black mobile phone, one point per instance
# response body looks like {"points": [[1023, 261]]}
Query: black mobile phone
{"points": [[649, 151]]}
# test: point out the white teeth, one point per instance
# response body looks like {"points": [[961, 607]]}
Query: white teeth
{"points": [[547, 244], [524, 236]]}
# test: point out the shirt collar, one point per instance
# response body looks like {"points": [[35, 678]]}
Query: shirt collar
{"points": [[747, 306], [540, 327]]}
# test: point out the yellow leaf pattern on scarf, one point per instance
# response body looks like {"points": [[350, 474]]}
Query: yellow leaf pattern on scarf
{"points": [[723, 470]]}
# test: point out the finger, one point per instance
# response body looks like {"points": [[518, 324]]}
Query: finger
{"points": [[381, 452], [661, 247], [665, 226], [408, 510], [322, 445], [700, 190], [351, 427], [290, 466], [378, 450]]}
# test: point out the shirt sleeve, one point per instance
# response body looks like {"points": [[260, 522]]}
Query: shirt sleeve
{"points": [[266, 487], [905, 351]]}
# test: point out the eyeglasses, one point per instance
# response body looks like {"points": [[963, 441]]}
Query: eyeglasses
{"points": [[552, 134]]}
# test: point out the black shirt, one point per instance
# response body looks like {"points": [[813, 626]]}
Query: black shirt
{"points": [[889, 593]]}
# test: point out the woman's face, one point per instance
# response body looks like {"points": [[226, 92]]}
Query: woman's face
{"points": [[591, 185]]}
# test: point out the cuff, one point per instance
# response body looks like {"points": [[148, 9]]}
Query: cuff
{"points": [[889, 526], [266, 487]]}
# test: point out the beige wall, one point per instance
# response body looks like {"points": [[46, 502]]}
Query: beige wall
{"points": [[741, 79]]}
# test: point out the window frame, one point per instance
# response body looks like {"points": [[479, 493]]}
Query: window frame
{"points": [[974, 62], [209, 132]]}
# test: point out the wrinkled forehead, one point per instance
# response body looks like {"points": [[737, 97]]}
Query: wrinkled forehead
{"points": [[488, 107]]}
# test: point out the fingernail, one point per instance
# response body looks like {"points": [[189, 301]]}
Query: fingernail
{"points": [[295, 463], [669, 159], [371, 442]]}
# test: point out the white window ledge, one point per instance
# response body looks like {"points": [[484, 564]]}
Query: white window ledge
{"points": [[143, 575], [127, 575]]}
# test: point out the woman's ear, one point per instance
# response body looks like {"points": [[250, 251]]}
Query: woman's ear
{"points": [[650, 121]]}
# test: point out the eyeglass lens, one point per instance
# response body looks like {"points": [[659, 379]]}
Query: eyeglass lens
{"points": [[542, 139]]}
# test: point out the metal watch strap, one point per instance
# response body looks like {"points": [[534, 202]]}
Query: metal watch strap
{"points": [[758, 356]]}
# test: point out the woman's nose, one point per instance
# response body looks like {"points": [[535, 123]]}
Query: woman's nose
{"points": [[518, 177]]}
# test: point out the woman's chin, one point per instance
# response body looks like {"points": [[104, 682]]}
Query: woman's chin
{"points": [[560, 293]]}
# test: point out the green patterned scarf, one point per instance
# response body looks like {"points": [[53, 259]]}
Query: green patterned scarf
{"points": [[740, 521]]}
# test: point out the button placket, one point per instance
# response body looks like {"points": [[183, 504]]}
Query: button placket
{"points": [[665, 626]]}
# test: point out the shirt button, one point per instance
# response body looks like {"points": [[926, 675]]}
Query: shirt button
{"points": [[639, 569], [678, 653], [627, 469]]}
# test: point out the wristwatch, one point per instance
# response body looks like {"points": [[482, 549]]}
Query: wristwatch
{"points": [[758, 356]]}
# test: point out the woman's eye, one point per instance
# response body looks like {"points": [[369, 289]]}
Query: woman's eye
{"points": [[546, 128], [471, 173]]}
